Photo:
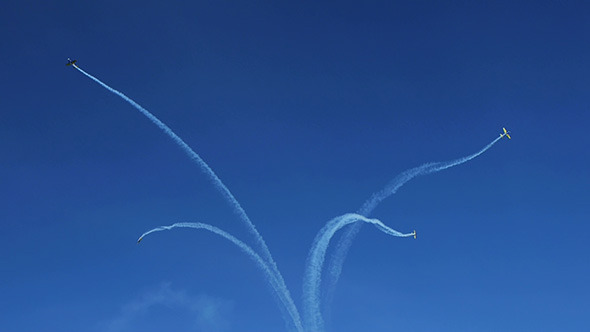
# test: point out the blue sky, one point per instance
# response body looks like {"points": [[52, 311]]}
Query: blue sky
{"points": [[303, 109]]}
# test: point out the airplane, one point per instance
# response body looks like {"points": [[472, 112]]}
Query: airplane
{"points": [[506, 133], [414, 234], [141, 238], [71, 62]]}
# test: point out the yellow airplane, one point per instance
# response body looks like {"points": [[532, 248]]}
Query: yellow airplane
{"points": [[71, 62], [141, 238], [414, 234], [506, 133]]}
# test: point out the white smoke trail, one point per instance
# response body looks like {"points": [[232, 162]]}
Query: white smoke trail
{"points": [[337, 259], [276, 284], [312, 280], [406, 176], [212, 176], [196, 158]]}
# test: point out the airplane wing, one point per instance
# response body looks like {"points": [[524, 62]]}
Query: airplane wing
{"points": [[506, 133]]}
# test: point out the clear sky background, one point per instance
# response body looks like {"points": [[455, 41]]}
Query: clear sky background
{"points": [[304, 109]]}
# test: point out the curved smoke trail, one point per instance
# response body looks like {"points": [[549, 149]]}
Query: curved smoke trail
{"points": [[276, 284], [345, 241], [212, 176], [312, 280]]}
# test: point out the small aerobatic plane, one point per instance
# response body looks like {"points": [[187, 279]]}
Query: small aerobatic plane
{"points": [[414, 234], [71, 62], [506, 133], [141, 238]]}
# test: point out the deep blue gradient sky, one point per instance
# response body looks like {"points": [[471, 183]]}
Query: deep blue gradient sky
{"points": [[304, 109]]}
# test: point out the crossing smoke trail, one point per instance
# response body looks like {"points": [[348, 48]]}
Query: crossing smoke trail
{"points": [[212, 176], [337, 259], [312, 280], [276, 284]]}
